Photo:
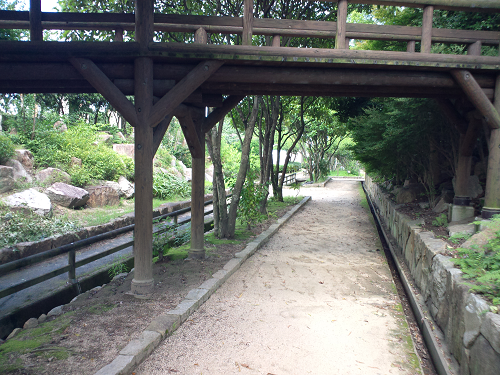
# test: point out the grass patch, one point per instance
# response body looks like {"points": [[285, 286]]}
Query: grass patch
{"points": [[364, 200], [36, 341], [343, 173]]}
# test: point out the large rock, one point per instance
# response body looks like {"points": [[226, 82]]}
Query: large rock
{"points": [[20, 174], [51, 175], [484, 360], [60, 126], [124, 149], [126, 187], [490, 329], [474, 188], [188, 173], [100, 196], [25, 157], [475, 312], [6, 178], [409, 193], [66, 195], [30, 200]]}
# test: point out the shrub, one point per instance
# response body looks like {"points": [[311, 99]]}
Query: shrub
{"points": [[7, 149], [167, 186]]}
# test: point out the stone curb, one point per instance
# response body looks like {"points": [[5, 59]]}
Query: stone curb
{"points": [[165, 324]]}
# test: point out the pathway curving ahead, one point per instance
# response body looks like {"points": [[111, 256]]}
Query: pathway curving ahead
{"points": [[318, 298]]}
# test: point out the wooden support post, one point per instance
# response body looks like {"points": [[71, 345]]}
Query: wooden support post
{"points": [[492, 191], [197, 250], [410, 46], [182, 90], [427, 29], [36, 31], [474, 49], [143, 282], [340, 39], [118, 35], [476, 95], [200, 36], [247, 23], [276, 41]]}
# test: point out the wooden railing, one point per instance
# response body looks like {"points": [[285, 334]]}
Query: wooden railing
{"points": [[247, 26], [290, 179]]}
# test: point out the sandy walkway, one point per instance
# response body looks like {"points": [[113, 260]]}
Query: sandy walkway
{"points": [[317, 299]]}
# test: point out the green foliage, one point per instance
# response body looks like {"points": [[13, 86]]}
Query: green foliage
{"points": [[482, 266], [118, 267], [459, 237], [7, 149], [167, 186], [251, 196], [99, 161], [440, 221], [166, 237], [18, 227]]}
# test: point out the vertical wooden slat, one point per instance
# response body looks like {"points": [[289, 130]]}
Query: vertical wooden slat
{"points": [[118, 35], [143, 282], [201, 36], [247, 23], [474, 49], [36, 32], [340, 39], [410, 46], [276, 41], [427, 29], [492, 190]]}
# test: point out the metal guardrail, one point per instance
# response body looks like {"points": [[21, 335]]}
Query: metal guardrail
{"points": [[71, 248]]}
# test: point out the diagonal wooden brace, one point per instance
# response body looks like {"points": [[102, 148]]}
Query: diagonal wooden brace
{"points": [[182, 90], [106, 88], [192, 135], [219, 113], [476, 95], [159, 132]]}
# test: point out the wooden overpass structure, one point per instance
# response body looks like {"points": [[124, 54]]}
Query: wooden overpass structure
{"points": [[182, 79]]}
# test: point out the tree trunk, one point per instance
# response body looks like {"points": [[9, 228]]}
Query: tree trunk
{"points": [[244, 164]]}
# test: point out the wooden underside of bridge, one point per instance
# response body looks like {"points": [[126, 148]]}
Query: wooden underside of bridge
{"points": [[182, 79]]}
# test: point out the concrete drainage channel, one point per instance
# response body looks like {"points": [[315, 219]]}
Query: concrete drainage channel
{"points": [[421, 317], [164, 325]]}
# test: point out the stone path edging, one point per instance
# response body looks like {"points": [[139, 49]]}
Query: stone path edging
{"points": [[164, 325]]}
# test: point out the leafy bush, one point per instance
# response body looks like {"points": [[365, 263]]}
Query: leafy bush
{"points": [[99, 162], [167, 186], [483, 267], [251, 196], [440, 221], [7, 149], [18, 227]]}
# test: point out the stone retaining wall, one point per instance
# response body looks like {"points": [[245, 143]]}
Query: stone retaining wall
{"points": [[471, 331], [25, 249]]}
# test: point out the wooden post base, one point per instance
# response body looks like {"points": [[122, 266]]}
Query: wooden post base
{"points": [[487, 212], [141, 288], [196, 253]]}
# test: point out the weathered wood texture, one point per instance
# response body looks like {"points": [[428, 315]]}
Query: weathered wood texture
{"points": [[473, 91], [340, 38], [472, 5], [36, 32], [247, 22], [219, 113], [427, 29]]}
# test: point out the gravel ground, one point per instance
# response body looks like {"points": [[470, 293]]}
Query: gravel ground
{"points": [[317, 299]]}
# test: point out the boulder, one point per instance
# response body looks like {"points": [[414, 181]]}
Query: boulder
{"points": [[6, 178], [474, 188], [475, 311], [66, 195], [127, 188], [25, 157], [188, 172], [100, 196], [490, 329], [102, 138], [20, 174], [441, 206], [31, 323], [51, 175], [409, 193], [30, 200], [124, 149], [60, 126]]}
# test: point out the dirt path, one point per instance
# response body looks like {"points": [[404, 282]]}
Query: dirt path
{"points": [[317, 299]]}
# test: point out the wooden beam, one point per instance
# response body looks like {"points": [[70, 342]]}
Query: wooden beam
{"points": [[218, 114], [474, 49], [159, 132], [106, 88], [276, 40], [182, 90], [476, 95], [191, 135], [410, 46], [470, 137], [144, 22], [464, 5], [36, 31], [427, 29], [247, 22], [340, 38]]}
